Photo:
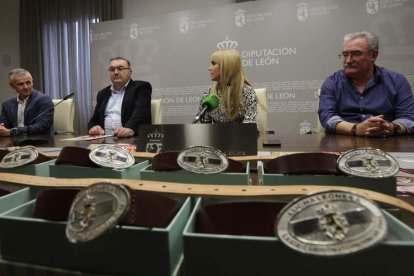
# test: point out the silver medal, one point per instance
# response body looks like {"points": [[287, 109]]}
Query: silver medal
{"points": [[202, 160], [368, 162], [331, 223], [96, 210], [19, 157], [110, 156]]}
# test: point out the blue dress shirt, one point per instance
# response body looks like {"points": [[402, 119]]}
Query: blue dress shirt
{"points": [[387, 93]]}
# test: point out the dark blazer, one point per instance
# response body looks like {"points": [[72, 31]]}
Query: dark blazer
{"points": [[36, 104], [135, 110]]}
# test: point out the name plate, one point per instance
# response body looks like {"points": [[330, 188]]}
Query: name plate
{"points": [[231, 139]]}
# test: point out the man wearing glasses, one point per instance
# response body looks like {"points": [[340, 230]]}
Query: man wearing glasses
{"points": [[123, 106], [364, 99]]}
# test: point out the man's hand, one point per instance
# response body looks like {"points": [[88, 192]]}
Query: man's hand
{"points": [[4, 131], [123, 132], [96, 130], [374, 126]]}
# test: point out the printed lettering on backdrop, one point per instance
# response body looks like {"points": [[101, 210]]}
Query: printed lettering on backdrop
{"points": [[287, 47]]}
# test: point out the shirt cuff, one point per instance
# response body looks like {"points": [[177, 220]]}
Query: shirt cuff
{"points": [[331, 124], [409, 125]]}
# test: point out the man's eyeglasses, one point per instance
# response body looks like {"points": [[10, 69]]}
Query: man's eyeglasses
{"points": [[353, 54], [120, 69]]}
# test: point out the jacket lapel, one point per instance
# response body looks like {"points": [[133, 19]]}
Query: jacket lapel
{"points": [[28, 114], [127, 97], [14, 107]]}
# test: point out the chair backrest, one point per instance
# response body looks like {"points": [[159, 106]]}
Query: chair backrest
{"points": [[156, 111], [319, 127], [261, 116], [64, 116]]}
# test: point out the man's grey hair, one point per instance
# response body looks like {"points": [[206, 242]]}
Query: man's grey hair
{"points": [[17, 72], [372, 39], [120, 58]]}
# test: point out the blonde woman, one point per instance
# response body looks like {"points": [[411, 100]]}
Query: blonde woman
{"points": [[236, 94]]}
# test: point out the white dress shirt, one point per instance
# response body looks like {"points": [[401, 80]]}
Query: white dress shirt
{"points": [[113, 110], [21, 106]]}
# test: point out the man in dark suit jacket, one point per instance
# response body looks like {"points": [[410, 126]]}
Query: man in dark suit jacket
{"points": [[123, 106], [18, 112]]}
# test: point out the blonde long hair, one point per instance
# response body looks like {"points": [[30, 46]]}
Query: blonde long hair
{"points": [[232, 79]]}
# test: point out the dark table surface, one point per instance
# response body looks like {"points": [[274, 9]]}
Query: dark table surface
{"points": [[289, 142], [341, 143]]}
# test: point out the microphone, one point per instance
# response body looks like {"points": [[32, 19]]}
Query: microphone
{"points": [[34, 142], [209, 103], [66, 97]]}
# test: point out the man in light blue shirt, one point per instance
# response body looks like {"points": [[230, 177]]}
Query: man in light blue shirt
{"points": [[124, 106], [364, 99], [113, 109]]}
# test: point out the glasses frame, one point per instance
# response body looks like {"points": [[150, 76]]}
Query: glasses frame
{"points": [[120, 69], [352, 54]]}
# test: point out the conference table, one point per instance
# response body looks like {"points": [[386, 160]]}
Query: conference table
{"points": [[292, 142]]}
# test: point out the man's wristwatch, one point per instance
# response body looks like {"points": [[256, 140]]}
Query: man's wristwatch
{"points": [[353, 130], [14, 131], [397, 129]]}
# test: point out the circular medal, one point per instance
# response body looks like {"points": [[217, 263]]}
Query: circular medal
{"points": [[96, 210], [110, 156], [202, 160], [19, 157], [367, 162], [331, 223]]}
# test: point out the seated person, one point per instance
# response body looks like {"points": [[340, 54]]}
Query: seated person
{"points": [[364, 99], [18, 114], [236, 94], [123, 106]]}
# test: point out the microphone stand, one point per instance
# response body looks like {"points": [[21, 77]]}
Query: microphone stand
{"points": [[209, 103], [19, 142], [198, 117], [33, 141]]}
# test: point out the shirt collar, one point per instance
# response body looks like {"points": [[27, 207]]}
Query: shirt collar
{"points": [[377, 74], [20, 101], [121, 90], [375, 77]]}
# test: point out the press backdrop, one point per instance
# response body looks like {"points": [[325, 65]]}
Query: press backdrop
{"points": [[289, 47]]}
